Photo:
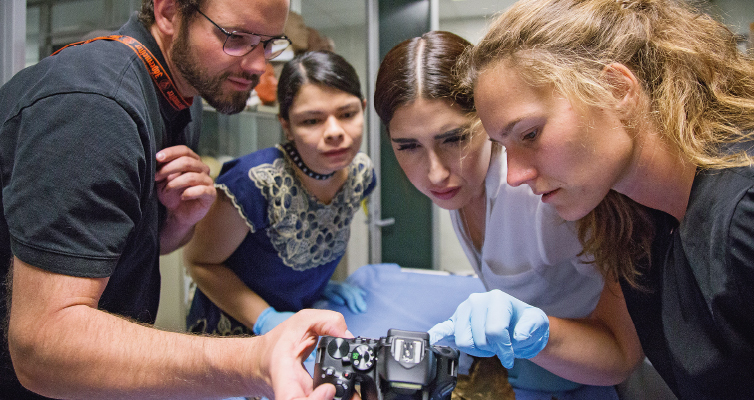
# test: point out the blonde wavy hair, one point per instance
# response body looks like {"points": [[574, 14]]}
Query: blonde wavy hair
{"points": [[699, 86]]}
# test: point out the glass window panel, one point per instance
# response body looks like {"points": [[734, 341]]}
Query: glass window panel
{"points": [[33, 37]]}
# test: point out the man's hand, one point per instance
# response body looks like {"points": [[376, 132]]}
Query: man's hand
{"points": [[289, 344], [186, 189]]}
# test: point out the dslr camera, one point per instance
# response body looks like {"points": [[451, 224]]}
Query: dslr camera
{"points": [[400, 366]]}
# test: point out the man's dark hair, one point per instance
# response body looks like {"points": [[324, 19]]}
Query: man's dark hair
{"points": [[187, 8]]}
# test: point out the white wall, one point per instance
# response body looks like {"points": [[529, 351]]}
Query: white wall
{"points": [[471, 29]]}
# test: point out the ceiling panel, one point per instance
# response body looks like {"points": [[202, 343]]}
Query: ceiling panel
{"points": [[450, 9], [326, 14]]}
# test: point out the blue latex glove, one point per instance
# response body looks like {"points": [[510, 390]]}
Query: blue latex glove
{"points": [[268, 319], [343, 293], [496, 323]]}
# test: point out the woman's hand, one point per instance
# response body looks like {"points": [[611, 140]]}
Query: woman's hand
{"points": [[496, 323]]}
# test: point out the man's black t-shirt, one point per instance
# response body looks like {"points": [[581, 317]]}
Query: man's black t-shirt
{"points": [[79, 135]]}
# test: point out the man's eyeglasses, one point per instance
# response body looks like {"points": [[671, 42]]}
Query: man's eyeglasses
{"points": [[239, 44]]}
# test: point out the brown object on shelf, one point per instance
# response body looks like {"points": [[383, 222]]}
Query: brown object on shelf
{"points": [[319, 42], [296, 30], [304, 38], [268, 86], [487, 379]]}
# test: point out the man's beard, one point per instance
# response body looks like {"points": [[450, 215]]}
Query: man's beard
{"points": [[209, 88]]}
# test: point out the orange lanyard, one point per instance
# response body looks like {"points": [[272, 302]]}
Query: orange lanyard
{"points": [[161, 79]]}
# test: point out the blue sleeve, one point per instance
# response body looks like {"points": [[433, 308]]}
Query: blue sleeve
{"points": [[249, 196]]}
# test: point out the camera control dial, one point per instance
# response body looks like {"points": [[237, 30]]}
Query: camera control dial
{"points": [[362, 357]]}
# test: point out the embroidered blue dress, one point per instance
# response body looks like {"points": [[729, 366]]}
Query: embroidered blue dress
{"points": [[295, 241]]}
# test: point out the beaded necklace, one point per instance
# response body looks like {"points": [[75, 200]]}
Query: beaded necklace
{"points": [[296, 158]]}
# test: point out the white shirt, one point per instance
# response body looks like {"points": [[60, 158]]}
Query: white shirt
{"points": [[530, 252]]}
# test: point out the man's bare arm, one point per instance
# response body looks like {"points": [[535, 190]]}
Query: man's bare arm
{"points": [[63, 347]]}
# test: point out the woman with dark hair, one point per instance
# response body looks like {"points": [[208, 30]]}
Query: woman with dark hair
{"points": [[528, 257], [636, 119], [281, 222]]}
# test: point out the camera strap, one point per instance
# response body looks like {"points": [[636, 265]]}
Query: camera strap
{"points": [[160, 77]]}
